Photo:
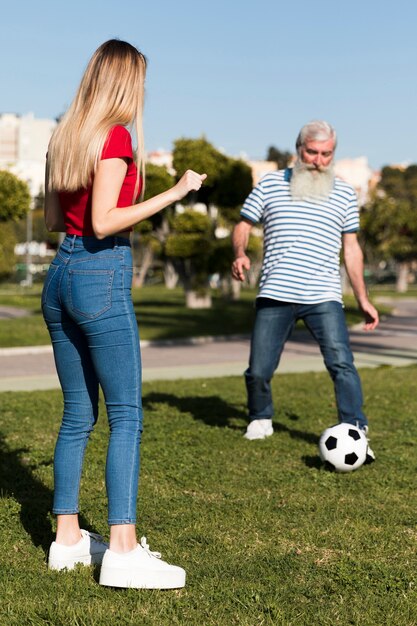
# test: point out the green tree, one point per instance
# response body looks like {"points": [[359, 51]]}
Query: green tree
{"points": [[15, 197], [7, 255], [198, 254], [389, 220], [152, 233], [15, 203], [198, 155], [232, 188], [190, 245], [158, 180], [202, 157]]}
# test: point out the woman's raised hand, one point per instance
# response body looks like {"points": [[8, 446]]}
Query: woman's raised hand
{"points": [[189, 181]]}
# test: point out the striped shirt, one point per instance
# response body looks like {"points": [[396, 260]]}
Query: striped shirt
{"points": [[302, 239]]}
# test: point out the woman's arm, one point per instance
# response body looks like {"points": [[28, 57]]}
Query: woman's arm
{"points": [[108, 219]]}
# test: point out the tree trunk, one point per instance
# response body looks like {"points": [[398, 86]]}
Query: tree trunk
{"points": [[171, 276], [236, 288], [196, 300], [230, 288], [402, 277], [147, 260]]}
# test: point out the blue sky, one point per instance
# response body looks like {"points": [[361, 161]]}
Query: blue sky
{"points": [[245, 74]]}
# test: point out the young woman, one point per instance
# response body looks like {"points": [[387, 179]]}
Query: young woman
{"points": [[92, 183]]}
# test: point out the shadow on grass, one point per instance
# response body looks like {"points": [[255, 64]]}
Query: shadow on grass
{"points": [[214, 411], [211, 410], [296, 434], [18, 482], [313, 462]]}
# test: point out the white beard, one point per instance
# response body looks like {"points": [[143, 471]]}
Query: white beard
{"points": [[308, 182]]}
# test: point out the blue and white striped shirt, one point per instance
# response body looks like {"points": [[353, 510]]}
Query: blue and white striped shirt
{"points": [[302, 238]]}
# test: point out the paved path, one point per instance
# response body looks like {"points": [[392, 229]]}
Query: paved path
{"points": [[393, 343], [10, 312]]}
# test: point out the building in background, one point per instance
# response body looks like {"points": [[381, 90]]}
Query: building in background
{"points": [[24, 142], [260, 168], [357, 173], [163, 158]]}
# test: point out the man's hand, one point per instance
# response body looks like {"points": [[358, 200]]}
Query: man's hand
{"points": [[371, 315], [354, 266], [240, 240], [240, 264]]}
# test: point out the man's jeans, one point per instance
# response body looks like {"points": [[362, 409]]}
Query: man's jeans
{"points": [[87, 306], [326, 322]]}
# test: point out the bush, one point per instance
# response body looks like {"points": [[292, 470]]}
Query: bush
{"points": [[7, 255]]}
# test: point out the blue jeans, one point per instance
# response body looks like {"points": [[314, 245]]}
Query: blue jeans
{"points": [[326, 322], [87, 306]]}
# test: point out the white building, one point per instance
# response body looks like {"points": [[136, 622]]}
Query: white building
{"points": [[357, 173], [163, 158], [260, 169], [23, 145]]}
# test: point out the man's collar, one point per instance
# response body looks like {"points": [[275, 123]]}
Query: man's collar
{"points": [[288, 174]]}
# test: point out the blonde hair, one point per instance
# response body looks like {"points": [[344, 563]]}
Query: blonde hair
{"points": [[111, 92]]}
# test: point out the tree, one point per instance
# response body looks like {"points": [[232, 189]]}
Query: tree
{"points": [[7, 256], [190, 244], [198, 253], [198, 155], [15, 202], [153, 232], [202, 157], [281, 158], [232, 188], [389, 220], [15, 197]]}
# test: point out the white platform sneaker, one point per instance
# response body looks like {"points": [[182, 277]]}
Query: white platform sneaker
{"points": [[140, 569], [89, 551], [259, 429]]}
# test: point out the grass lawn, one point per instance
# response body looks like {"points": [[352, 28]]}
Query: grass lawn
{"points": [[161, 314], [267, 536]]}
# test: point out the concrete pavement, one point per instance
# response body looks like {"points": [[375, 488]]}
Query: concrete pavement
{"points": [[393, 343]]}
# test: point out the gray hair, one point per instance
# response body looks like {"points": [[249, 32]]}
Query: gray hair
{"points": [[317, 130]]}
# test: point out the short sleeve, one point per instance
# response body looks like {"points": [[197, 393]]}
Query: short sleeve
{"points": [[253, 206], [118, 144], [351, 224]]}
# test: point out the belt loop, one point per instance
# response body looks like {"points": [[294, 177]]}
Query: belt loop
{"points": [[72, 243]]}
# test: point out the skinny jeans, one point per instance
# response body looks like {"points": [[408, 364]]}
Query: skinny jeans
{"points": [[88, 309], [274, 323]]}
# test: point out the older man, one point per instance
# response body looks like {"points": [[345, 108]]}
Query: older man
{"points": [[308, 214]]}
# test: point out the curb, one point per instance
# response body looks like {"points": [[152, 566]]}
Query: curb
{"points": [[146, 343]]}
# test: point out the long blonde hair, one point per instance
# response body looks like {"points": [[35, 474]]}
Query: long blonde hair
{"points": [[111, 92]]}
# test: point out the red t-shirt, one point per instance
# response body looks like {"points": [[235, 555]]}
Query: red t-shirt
{"points": [[76, 205]]}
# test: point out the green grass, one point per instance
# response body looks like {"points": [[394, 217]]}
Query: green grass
{"points": [[267, 536], [389, 291], [161, 314]]}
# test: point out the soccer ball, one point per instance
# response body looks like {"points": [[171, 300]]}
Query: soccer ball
{"points": [[343, 447]]}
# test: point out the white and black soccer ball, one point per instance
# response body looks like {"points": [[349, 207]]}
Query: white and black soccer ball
{"points": [[343, 447]]}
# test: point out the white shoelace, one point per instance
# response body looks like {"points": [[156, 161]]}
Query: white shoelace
{"points": [[144, 544]]}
